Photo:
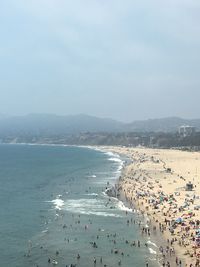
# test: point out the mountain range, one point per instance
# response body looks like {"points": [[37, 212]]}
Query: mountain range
{"points": [[55, 125]]}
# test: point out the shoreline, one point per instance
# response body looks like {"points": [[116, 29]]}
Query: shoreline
{"points": [[153, 239], [154, 183], [146, 179], [83, 220]]}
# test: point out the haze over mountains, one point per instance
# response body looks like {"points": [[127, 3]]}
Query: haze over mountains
{"points": [[50, 124]]}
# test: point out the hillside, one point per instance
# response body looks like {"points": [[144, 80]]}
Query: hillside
{"points": [[170, 124], [54, 125], [48, 125]]}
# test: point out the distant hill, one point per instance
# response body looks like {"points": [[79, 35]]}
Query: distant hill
{"points": [[170, 124], [54, 125], [48, 124]]}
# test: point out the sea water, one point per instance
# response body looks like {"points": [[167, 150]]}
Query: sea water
{"points": [[53, 206]]}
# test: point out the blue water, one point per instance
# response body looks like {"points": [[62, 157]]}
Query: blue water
{"points": [[52, 198]]}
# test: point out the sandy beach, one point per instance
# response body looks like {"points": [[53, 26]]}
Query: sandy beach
{"points": [[164, 184]]}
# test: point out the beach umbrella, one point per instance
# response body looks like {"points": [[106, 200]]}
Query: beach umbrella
{"points": [[179, 220]]}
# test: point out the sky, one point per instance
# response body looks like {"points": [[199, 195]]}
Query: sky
{"points": [[127, 60]]}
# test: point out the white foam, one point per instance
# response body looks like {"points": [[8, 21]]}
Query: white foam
{"points": [[151, 243], [104, 194], [100, 213], [121, 206], [118, 203], [92, 176], [120, 167], [115, 160], [152, 251], [45, 231], [88, 207], [111, 154], [59, 203]]}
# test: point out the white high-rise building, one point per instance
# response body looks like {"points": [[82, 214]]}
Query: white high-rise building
{"points": [[186, 130]]}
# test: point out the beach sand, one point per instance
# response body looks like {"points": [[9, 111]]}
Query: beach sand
{"points": [[155, 183]]}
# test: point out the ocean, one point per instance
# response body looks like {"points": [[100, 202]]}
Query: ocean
{"points": [[53, 206]]}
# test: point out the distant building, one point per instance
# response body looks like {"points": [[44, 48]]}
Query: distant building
{"points": [[186, 130]]}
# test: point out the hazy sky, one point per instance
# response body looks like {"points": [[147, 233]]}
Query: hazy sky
{"points": [[110, 58]]}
